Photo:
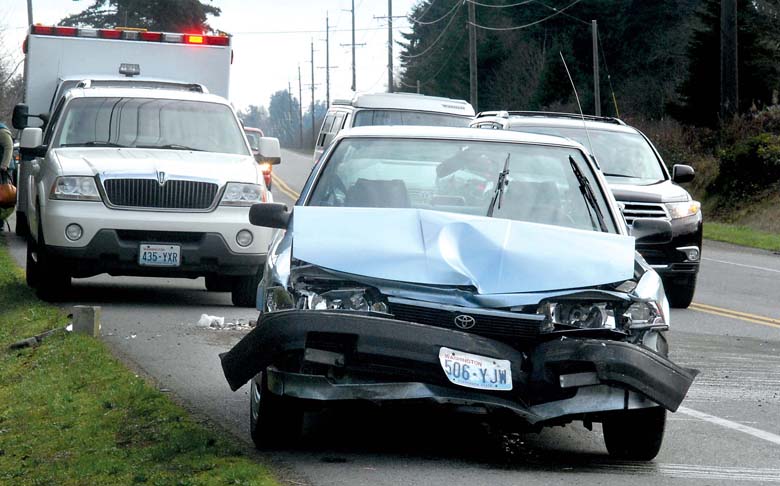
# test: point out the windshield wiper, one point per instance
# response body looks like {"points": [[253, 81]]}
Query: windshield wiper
{"points": [[498, 194], [628, 176], [587, 194], [172, 146], [93, 143]]}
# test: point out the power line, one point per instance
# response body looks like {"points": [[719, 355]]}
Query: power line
{"points": [[441, 34], [557, 12], [525, 2], [420, 22], [562, 12], [430, 6], [446, 62], [273, 32]]}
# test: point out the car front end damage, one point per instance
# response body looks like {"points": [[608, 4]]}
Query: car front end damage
{"points": [[453, 333]]}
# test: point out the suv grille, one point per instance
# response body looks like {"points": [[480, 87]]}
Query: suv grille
{"points": [[148, 193], [635, 210], [485, 325]]}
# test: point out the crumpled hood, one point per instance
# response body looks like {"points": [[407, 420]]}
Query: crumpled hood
{"points": [[497, 256], [117, 161], [665, 191]]}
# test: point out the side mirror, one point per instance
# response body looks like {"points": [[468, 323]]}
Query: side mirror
{"points": [[271, 215], [19, 118], [651, 230], [682, 173], [268, 151], [30, 143]]}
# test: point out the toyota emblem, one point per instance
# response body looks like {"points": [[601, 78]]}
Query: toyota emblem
{"points": [[464, 322]]}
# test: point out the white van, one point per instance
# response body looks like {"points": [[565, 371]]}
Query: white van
{"points": [[365, 109]]}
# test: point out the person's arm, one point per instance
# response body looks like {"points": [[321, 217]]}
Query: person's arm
{"points": [[7, 147]]}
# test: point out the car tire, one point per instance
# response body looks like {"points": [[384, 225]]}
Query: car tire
{"points": [[218, 283], [274, 421], [43, 274], [635, 435], [244, 290], [680, 292], [21, 228]]}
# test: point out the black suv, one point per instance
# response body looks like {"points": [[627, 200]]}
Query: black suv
{"points": [[640, 182]]}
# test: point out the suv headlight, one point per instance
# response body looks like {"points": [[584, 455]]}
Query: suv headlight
{"points": [[650, 309], [75, 188], [683, 209], [241, 194]]}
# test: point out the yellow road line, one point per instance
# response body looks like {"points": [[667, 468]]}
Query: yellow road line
{"points": [[743, 316], [284, 188]]}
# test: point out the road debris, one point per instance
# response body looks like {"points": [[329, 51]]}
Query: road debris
{"points": [[218, 323], [37, 339]]}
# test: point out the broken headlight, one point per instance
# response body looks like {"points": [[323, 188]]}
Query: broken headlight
{"points": [[644, 315], [356, 299], [578, 314], [277, 298], [650, 309]]}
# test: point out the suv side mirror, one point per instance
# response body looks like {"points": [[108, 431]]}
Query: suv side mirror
{"points": [[19, 118], [682, 173], [651, 230], [271, 215], [268, 151], [30, 143]]}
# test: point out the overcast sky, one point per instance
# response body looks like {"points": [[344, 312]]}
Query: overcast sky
{"points": [[266, 59]]}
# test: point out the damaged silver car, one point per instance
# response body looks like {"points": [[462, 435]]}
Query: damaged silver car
{"points": [[485, 271]]}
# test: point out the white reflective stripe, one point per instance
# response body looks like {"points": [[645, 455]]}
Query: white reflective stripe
{"points": [[742, 265], [760, 434]]}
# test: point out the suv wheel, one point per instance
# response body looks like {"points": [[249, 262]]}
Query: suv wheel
{"points": [[21, 225], [680, 292], [43, 274], [218, 283], [274, 421], [244, 290], [635, 435]]}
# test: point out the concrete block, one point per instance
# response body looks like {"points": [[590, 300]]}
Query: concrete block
{"points": [[86, 320]]}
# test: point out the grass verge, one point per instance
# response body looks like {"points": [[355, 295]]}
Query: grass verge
{"points": [[70, 414], [742, 235]]}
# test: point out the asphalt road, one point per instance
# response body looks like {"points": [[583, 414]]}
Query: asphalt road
{"points": [[727, 431]]}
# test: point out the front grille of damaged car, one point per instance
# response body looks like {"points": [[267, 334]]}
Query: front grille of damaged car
{"points": [[150, 194], [487, 325]]}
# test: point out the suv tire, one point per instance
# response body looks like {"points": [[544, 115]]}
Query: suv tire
{"points": [[21, 228], [274, 421], [244, 290], [218, 283], [680, 292], [635, 435], [43, 274]]}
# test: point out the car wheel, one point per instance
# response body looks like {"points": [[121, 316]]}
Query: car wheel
{"points": [[244, 290], [217, 283], [21, 225], [635, 434], [274, 421], [680, 292], [49, 279], [31, 267]]}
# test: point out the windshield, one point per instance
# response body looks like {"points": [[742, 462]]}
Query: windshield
{"points": [[624, 157], [150, 123], [462, 176], [401, 117]]}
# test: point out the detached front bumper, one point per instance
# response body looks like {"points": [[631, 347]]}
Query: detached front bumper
{"points": [[366, 357]]}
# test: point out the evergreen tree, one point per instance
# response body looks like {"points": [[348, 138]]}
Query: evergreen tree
{"points": [[156, 15]]}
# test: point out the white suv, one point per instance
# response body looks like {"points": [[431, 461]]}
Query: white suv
{"points": [[146, 182]]}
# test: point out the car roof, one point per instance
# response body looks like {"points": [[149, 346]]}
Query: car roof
{"points": [[539, 120], [407, 101], [457, 133], [154, 93]]}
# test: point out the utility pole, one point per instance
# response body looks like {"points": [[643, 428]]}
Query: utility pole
{"points": [[313, 129], [300, 109], [596, 86], [472, 55], [389, 46], [354, 76], [729, 72], [29, 12], [353, 45], [327, 60]]}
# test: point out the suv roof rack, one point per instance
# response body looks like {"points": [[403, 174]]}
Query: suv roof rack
{"points": [[552, 114]]}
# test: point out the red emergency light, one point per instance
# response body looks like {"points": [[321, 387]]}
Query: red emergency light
{"points": [[110, 34], [132, 34]]}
